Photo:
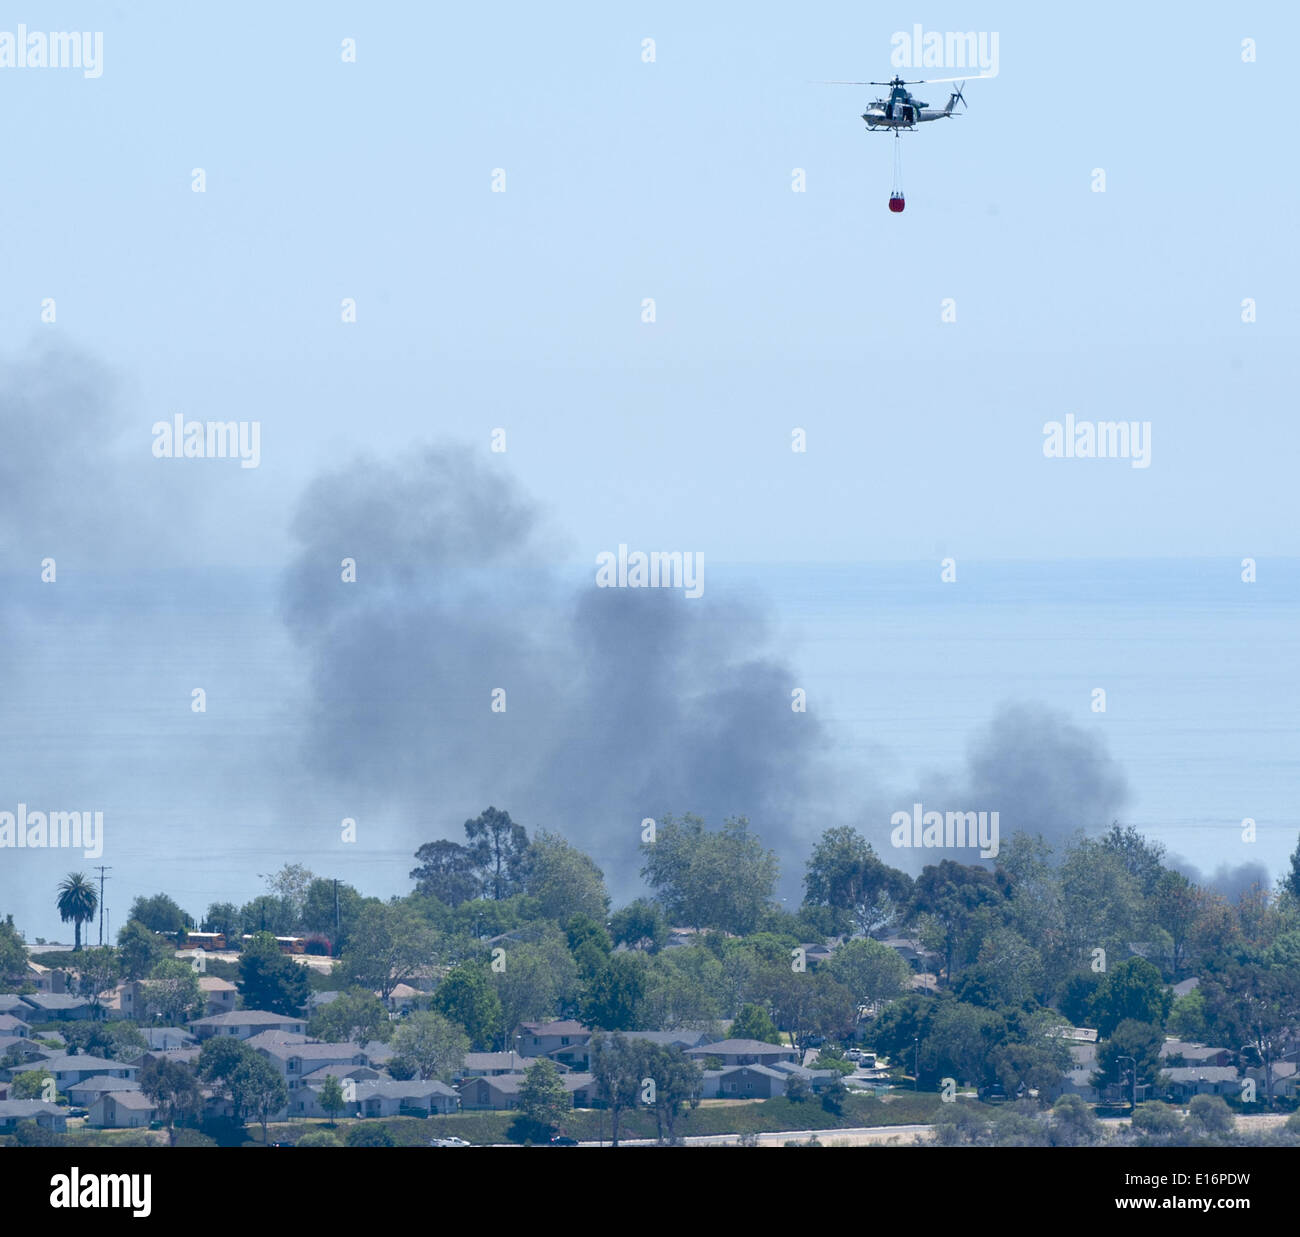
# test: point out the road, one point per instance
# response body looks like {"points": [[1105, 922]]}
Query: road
{"points": [[863, 1136]]}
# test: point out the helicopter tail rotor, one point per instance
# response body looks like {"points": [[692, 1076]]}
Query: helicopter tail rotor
{"points": [[957, 97]]}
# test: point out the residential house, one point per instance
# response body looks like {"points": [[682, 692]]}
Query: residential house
{"points": [[57, 1007], [53, 1117], [405, 998], [121, 1110], [1077, 1081], [83, 1094], [743, 1052], [1180, 1052], [489, 1064], [743, 1082], [1186, 1081], [1286, 1080], [294, 1060], [414, 1098], [13, 1028], [69, 1070], [670, 1039], [1186, 986], [160, 1039], [220, 994], [12, 1003], [46, 980], [498, 1092], [245, 1023], [565, 1042]]}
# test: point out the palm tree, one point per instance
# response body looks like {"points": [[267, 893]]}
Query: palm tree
{"points": [[78, 901]]}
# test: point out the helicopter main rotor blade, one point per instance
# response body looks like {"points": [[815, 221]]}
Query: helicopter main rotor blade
{"points": [[929, 80], [844, 83]]}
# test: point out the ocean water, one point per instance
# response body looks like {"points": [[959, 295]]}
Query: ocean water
{"points": [[1201, 673]]}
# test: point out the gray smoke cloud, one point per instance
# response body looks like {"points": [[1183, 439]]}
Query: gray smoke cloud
{"points": [[621, 704], [1229, 880], [1040, 772]]}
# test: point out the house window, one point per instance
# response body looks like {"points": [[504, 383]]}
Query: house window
{"points": [[564, 1041]]}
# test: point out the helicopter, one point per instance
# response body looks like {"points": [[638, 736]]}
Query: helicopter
{"points": [[902, 110]]}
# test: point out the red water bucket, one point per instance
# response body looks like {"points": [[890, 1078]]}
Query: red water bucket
{"points": [[896, 203]]}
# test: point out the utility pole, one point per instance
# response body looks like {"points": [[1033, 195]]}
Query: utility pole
{"points": [[101, 870], [336, 911]]}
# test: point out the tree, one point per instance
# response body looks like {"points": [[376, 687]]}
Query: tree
{"points": [[724, 879], [113, 1038], [1137, 1040], [589, 944], [139, 950], [1131, 990], [13, 953], [35, 1084], [220, 1059], [331, 1098], [873, 973], [614, 994], [172, 994], [388, 946], [98, 970], [564, 880], [498, 846], [1074, 1124], [953, 895], [845, 874], [160, 914], [290, 884], [77, 902], [1187, 1016], [1250, 1002], [616, 1068], [808, 1003], [1153, 1117], [534, 981], [448, 872], [1292, 879], [433, 1044], [543, 1098], [174, 1089], [354, 1015], [466, 996], [332, 908], [1174, 906], [259, 1090], [677, 1081], [639, 925], [270, 980], [1211, 1114], [224, 917], [268, 913], [754, 1022]]}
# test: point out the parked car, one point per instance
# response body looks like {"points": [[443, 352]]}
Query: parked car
{"points": [[449, 1142], [563, 1140]]}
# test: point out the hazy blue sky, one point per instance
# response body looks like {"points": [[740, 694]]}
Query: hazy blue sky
{"points": [[522, 310]]}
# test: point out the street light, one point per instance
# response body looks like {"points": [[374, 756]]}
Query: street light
{"points": [[1134, 1064], [916, 1063]]}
